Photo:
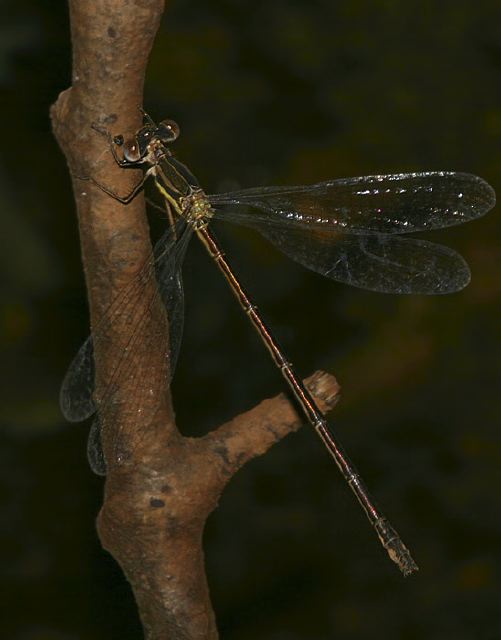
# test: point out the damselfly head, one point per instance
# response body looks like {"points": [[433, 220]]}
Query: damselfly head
{"points": [[136, 148]]}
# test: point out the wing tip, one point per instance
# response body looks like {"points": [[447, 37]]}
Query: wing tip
{"points": [[482, 192]]}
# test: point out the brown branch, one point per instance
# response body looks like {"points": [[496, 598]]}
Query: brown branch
{"points": [[160, 486], [153, 518], [252, 433]]}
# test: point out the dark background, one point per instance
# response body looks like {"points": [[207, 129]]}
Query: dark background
{"points": [[270, 92]]}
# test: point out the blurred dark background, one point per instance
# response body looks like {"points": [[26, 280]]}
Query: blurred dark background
{"points": [[270, 93]]}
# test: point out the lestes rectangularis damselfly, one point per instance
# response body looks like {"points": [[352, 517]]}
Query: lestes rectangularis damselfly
{"points": [[349, 230]]}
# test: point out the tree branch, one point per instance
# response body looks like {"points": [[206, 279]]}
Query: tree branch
{"points": [[160, 486], [153, 517]]}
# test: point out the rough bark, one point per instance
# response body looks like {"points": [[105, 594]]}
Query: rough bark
{"points": [[160, 486]]}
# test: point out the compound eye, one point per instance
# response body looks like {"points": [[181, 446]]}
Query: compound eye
{"points": [[168, 131], [132, 152]]}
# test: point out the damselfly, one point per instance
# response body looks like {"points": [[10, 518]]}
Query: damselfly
{"points": [[351, 230]]}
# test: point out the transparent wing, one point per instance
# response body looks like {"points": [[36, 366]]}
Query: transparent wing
{"points": [[377, 262], [95, 454], [76, 396], [390, 204], [76, 401], [135, 367]]}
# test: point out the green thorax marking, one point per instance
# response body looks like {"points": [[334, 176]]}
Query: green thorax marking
{"points": [[182, 191]]}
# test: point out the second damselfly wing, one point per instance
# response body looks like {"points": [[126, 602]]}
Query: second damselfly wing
{"points": [[133, 307], [350, 230]]}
